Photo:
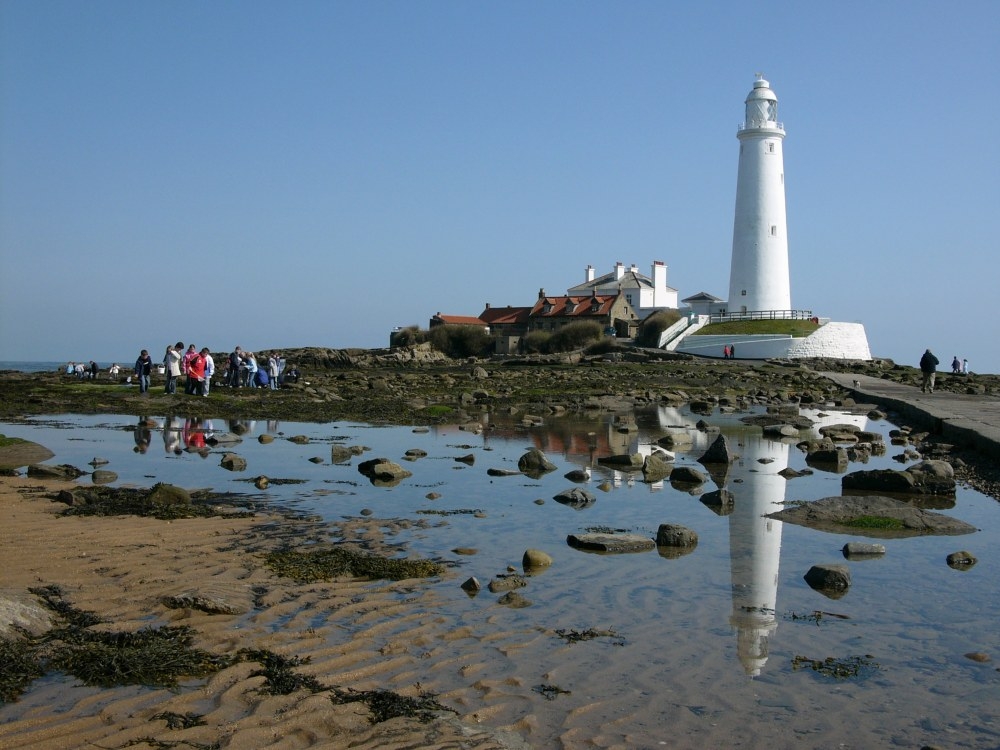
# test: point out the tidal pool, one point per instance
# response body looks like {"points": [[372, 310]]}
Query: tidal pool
{"points": [[712, 648]]}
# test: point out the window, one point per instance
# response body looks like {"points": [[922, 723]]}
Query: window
{"points": [[774, 230], [770, 148], [743, 293]]}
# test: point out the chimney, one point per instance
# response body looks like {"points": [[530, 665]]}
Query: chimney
{"points": [[541, 293], [590, 273], [619, 270], [659, 283]]}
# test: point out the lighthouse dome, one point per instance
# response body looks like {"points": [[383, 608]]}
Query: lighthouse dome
{"points": [[761, 106]]}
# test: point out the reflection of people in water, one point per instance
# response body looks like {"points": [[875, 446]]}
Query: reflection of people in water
{"points": [[142, 435], [172, 427], [194, 437]]}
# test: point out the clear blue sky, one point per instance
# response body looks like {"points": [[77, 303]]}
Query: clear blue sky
{"points": [[316, 173]]}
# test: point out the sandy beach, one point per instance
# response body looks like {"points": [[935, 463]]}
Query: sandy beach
{"points": [[122, 568]]}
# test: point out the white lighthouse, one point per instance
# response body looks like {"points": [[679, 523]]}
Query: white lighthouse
{"points": [[758, 276]]}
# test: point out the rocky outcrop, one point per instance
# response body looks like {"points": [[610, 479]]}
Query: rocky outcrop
{"points": [[925, 478], [871, 516]]}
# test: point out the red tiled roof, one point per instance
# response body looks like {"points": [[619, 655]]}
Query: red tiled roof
{"points": [[459, 320], [565, 307], [505, 315]]}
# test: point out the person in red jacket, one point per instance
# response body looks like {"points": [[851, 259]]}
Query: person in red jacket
{"points": [[196, 375]]}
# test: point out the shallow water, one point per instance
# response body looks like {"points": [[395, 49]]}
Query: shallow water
{"points": [[703, 646]]}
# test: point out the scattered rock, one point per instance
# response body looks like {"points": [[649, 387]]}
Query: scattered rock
{"points": [[673, 535], [169, 494], [472, 585], [687, 475], [507, 582], [19, 611], [720, 502], [383, 472], [853, 550], [103, 476], [534, 559], [233, 462], [535, 464], [214, 599], [514, 600], [576, 498], [611, 542], [831, 580], [961, 560], [718, 452]]}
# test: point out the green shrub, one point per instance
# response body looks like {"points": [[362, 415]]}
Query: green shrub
{"points": [[606, 345], [409, 336], [574, 336], [651, 328], [536, 342], [460, 341]]}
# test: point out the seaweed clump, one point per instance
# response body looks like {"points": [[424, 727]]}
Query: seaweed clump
{"points": [[326, 564], [281, 679], [839, 669], [156, 502], [19, 666], [157, 657], [575, 636], [385, 704]]}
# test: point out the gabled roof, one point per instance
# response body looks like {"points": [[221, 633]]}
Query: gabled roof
{"points": [[459, 320], [702, 297], [629, 280], [566, 307], [505, 315]]}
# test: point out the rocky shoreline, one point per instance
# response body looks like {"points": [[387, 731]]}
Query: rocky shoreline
{"points": [[417, 385]]}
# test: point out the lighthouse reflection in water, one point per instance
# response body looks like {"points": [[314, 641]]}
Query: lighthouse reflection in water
{"points": [[757, 489]]}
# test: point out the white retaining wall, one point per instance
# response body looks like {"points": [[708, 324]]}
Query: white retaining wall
{"points": [[834, 340]]}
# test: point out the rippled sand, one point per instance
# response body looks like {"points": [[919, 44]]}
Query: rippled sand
{"points": [[121, 568]]}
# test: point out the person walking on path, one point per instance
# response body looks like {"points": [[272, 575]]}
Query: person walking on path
{"points": [[143, 368], [956, 366], [928, 367]]}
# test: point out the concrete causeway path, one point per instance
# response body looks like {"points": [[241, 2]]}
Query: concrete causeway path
{"points": [[973, 421]]}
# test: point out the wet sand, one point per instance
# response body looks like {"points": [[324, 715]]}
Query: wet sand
{"points": [[121, 568]]}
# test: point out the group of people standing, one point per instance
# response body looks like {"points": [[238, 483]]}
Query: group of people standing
{"points": [[198, 367], [959, 367], [244, 371]]}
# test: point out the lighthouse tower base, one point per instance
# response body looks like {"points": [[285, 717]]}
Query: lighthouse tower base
{"points": [[831, 340]]}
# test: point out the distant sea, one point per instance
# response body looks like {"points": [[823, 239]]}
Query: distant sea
{"points": [[50, 366]]}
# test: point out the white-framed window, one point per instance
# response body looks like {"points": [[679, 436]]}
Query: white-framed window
{"points": [[774, 230]]}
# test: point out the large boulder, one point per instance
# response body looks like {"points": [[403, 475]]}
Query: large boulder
{"points": [[598, 542], [687, 475], [657, 467], [674, 535], [16, 453], [922, 479], [535, 464], [382, 472], [623, 461], [718, 452]]}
